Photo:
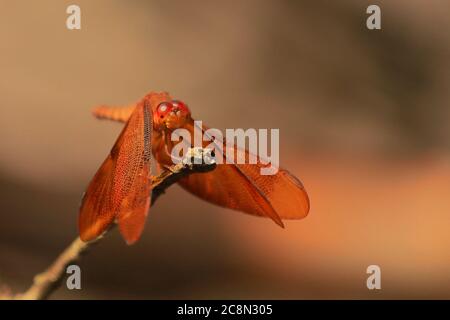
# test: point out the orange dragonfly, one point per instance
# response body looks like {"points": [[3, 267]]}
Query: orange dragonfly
{"points": [[120, 190]]}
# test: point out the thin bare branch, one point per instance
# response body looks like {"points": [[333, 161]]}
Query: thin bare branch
{"points": [[45, 283]]}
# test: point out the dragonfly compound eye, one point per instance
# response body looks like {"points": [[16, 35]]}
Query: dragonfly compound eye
{"points": [[180, 106], [164, 108]]}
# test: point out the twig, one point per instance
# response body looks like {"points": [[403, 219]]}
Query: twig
{"points": [[197, 160]]}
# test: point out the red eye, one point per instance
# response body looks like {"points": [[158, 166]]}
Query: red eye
{"points": [[180, 105], [164, 108]]}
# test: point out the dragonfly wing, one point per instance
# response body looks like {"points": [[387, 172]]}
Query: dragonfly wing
{"points": [[243, 188], [120, 190]]}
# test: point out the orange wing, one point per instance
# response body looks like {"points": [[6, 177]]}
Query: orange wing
{"points": [[120, 189], [243, 188]]}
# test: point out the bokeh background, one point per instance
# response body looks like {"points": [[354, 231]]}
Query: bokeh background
{"points": [[363, 118]]}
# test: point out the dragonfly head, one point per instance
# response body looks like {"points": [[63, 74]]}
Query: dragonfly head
{"points": [[171, 114]]}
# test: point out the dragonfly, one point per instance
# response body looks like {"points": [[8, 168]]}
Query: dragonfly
{"points": [[120, 191]]}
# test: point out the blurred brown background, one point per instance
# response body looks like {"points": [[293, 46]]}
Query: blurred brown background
{"points": [[363, 118]]}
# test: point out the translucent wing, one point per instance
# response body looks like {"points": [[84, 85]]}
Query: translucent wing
{"points": [[242, 187], [120, 189]]}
